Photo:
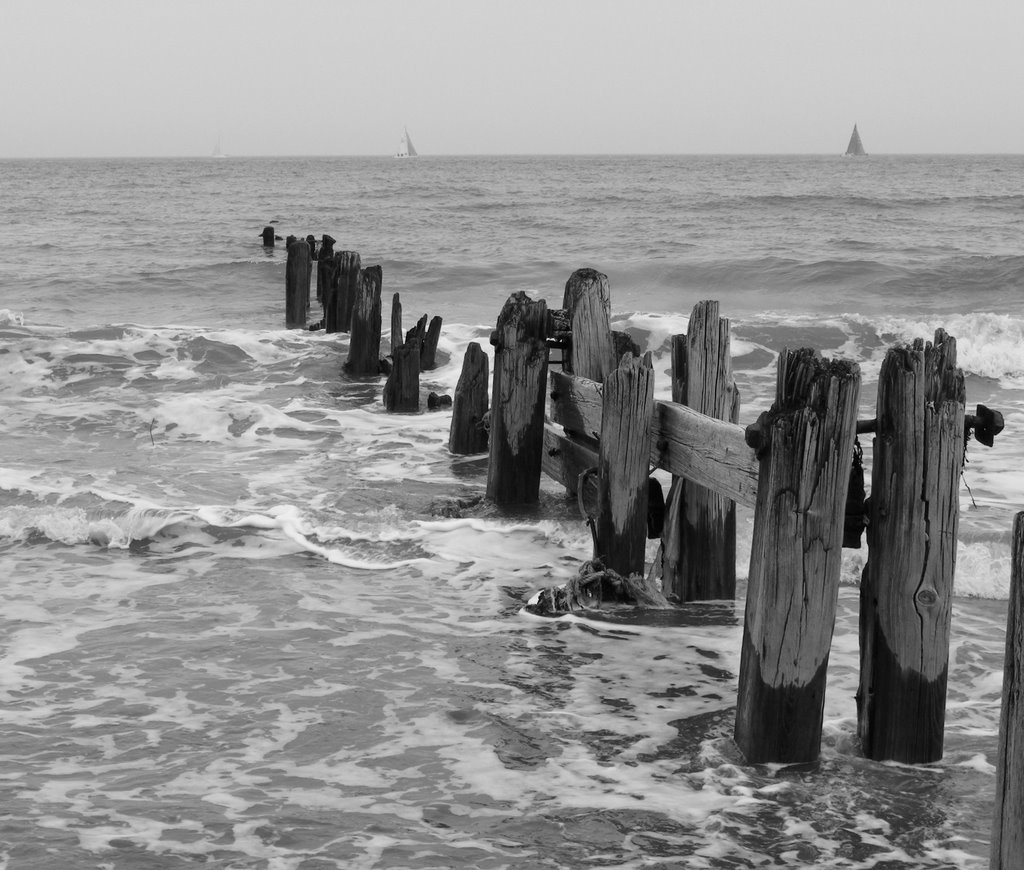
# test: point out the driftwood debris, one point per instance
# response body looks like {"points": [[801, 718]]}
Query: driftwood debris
{"points": [[597, 587]]}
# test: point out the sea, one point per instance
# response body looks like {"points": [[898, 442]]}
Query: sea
{"points": [[250, 620]]}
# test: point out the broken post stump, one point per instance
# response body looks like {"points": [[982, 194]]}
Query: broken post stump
{"points": [[805, 444], [1008, 815], [468, 434], [364, 344], [624, 454], [907, 584], [296, 284], [402, 390], [268, 237], [587, 301], [428, 349], [518, 399], [699, 539]]}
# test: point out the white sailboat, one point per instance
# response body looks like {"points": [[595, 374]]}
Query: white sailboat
{"points": [[216, 149], [405, 146], [856, 147]]}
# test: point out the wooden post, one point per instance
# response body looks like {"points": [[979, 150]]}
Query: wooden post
{"points": [[907, 585], [1007, 850], [348, 284], [806, 441], [268, 237], [396, 323], [296, 284], [402, 390], [428, 350], [469, 408], [364, 345], [518, 399], [624, 455], [327, 287], [587, 299], [699, 541]]}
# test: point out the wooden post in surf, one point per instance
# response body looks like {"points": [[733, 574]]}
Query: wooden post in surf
{"points": [[587, 301], [428, 349], [327, 287], [624, 453], [468, 433], [699, 539], [364, 345], [296, 284], [348, 288], [804, 443], [402, 390], [518, 399], [907, 585], [1007, 847], [396, 323]]}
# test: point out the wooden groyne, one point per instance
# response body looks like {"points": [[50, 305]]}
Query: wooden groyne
{"points": [[592, 425], [573, 399]]}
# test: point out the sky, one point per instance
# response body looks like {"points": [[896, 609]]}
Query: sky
{"points": [[125, 78]]}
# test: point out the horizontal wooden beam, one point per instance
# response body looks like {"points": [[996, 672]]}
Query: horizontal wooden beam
{"points": [[710, 452], [565, 460]]}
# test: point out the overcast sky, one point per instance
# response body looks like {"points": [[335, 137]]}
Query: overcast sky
{"points": [[156, 77]]}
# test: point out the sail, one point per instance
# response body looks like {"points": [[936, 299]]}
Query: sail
{"points": [[856, 147], [405, 146]]}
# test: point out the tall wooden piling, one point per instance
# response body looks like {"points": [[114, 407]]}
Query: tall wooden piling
{"points": [[699, 540], [1007, 850], [296, 284], [623, 466], [364, 344], [518, 399], [587, 300], [428, 350], [805, 445], [468, 434], [913, 519], [348, 285]]}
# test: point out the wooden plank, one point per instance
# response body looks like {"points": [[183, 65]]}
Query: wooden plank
{"points": [[907, 587], [564, 460], [1007, 847], [710, 452], [795, 559]]}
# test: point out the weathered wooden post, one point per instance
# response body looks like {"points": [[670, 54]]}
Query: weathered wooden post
{"points": [[296, 284], [428, 350], [805, 443], [268, 237], [396, 323], [699, 538], [1007, 850], [913, 519], [518, 399], [348, 284], [402, 390], [467, 434], [326, 286], [364, 344], [623, 466], [587, 301]]}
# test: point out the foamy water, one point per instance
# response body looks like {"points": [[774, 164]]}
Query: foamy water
{"points": [[241, 626]]}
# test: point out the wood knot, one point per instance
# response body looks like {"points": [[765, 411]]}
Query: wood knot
{"points": [[926, 597]]}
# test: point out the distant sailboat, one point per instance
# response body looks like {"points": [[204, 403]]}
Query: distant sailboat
{"points": [[856, 147], [405, 147], [216, 149]]}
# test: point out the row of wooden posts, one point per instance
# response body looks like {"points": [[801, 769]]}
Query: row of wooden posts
{"points": [[603, 432]]}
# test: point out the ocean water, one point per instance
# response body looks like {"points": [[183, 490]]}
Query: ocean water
{"points": [[237, 627]]}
